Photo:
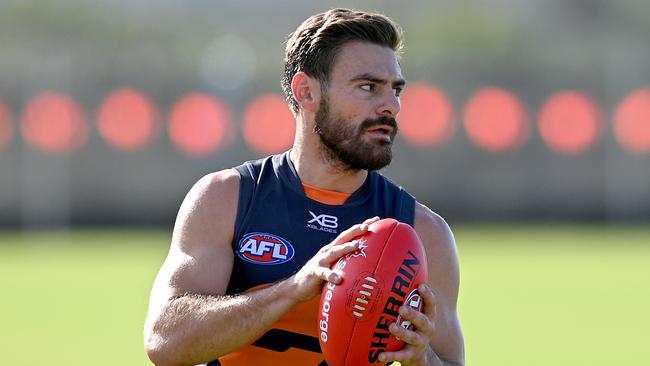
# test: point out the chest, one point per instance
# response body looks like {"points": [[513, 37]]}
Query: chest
{"points": [[283, 230]]}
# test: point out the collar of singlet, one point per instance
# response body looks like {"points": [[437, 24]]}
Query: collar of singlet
{"points": [[287, 172], [324, 196]]}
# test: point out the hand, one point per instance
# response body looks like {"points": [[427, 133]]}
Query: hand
{"points": [[417, 351], [308, 281]]}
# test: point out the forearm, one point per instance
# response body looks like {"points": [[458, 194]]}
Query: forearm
{"points": [[194, 329]]}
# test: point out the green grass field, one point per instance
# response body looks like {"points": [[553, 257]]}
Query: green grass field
{"points": [[532, 295]]}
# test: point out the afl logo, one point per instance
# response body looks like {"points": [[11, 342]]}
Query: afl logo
{"points": [[265, 249]]}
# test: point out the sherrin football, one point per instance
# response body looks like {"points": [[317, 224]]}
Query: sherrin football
{"points": [[378, 278]]}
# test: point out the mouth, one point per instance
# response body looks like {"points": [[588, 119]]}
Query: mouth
{"points": [[381, 130], [383, 133]]}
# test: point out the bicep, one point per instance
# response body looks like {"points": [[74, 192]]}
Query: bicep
{"points": [[200, 257], [444, 279]]}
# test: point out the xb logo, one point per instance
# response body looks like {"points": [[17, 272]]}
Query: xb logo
{"points": [[328, 221]]}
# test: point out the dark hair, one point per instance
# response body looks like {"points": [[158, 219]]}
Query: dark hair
{"points": [[313, 47]]}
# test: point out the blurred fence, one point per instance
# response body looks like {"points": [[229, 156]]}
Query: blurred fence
{"points": [[110, 110]]}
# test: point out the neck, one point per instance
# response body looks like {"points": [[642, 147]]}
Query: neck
{"points": [[315, 168]]}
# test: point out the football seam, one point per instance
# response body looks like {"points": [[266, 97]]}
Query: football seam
{"points": [[354, 326]]}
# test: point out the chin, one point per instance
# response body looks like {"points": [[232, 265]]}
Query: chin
{"points": [[377, 161]]}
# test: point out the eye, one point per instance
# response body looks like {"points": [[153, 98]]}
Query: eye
{"points": [[368, 87], [398, 91]]}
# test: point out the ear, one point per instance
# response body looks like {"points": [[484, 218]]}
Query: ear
{"points": [[306, 91]]}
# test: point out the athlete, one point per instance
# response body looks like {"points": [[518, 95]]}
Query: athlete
{"points": [[252, 246]]}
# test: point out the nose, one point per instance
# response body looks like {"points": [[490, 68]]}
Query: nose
{"points": [[390, 104]]}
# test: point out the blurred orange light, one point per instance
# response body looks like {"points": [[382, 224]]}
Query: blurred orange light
{"points": [[198, 124], [426, 116], [632, 122], [53, 122], [569, 122], [496, 120], [127, 119], [6, 127], [269, 126]]}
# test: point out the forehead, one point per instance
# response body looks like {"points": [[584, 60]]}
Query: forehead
{"points": [[357, 58]]}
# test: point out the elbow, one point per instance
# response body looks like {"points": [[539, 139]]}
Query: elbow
{"points": [[159, 351], [158, 344]]}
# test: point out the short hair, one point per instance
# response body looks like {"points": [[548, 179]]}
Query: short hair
{"points": [[313, 47]]}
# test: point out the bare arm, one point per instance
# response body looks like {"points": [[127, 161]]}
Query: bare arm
{"points": [[189, 287], [444, 279], [194, 329], [190, 321], [437, 338]]}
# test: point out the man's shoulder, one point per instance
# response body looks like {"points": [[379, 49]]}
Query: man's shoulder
{"points": [[222, 177], [431, 225], [427, 216], [217, 185], [207, 214], [225, 184]]}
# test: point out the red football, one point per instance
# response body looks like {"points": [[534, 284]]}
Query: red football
{"points": [[378, 278]]}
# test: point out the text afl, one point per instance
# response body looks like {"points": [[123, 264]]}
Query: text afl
{"points": [[264, 249]]}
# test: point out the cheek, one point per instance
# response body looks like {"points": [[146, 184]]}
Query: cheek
{"points": [[347, 117], [351, 119], [353, 113], [350, 106], [350, 112]]}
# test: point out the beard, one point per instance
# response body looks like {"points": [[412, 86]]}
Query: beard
{"points": [[343, 144]]}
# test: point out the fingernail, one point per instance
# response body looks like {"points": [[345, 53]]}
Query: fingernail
{"points": [[382, 358], [424, 287]]}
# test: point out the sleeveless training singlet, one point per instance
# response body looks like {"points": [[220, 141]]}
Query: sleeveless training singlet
{"points": [[278, 229]]}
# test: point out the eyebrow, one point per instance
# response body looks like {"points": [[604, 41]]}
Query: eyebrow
{"points": [[375, 79]]}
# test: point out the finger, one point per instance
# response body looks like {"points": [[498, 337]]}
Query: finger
{"points": [[337, 251], [405, 354], [351, 233], [371, 220], [420, 321], [430, 302], [408, 336], [327, 274]]}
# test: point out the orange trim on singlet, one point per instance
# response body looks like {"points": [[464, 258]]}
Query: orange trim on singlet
{"points": [[325, 196], [301, 319]]}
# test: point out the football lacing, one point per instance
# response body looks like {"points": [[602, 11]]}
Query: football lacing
{"points": [[364, 295]]}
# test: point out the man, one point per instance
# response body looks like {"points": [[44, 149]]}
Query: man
{"points": [[252, 246]]}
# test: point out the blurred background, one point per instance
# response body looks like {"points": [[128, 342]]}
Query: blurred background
{"points": [[525, 124]]}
